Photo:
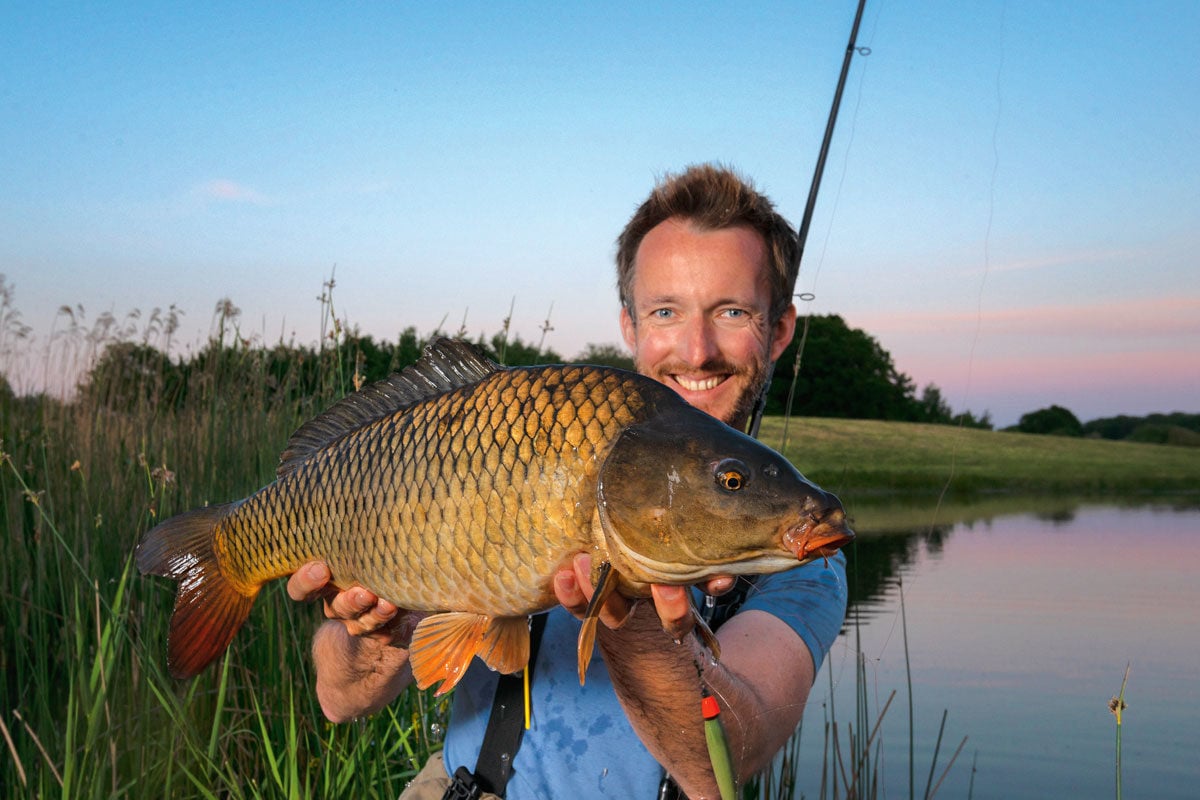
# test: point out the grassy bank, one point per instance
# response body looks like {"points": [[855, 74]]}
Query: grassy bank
{"points": [[870, 456]]}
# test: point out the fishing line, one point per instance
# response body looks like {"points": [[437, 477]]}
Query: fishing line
{"points": [[977, 333], [987, 248]]}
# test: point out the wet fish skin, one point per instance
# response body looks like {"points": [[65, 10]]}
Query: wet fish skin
{"points": [[457, 487]]}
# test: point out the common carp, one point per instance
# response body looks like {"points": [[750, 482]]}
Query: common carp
{"points": [[459, 487]]}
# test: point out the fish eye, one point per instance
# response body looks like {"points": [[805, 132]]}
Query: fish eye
{"points": [[731, 475]]}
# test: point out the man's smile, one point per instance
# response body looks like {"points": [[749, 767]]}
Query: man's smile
{"points": [[699, 384]]}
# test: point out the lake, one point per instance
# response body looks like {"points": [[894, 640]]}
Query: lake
{"points": [[1020, 624]]}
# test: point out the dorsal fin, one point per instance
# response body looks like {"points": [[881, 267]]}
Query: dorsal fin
{"points": [[445, 365]]}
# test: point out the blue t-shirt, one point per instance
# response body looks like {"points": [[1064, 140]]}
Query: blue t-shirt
{"points": [[581, 744]]}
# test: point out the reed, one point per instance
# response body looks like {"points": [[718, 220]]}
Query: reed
{"points": [[852, 763], [1117, 706], [86, 707]]}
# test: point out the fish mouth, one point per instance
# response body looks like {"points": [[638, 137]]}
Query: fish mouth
{"points": [[818, 538]]}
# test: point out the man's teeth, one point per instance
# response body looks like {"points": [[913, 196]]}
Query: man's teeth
{"points": [[698, 386]]}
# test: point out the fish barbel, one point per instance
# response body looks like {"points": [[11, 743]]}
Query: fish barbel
{"points": [[458, 487]]}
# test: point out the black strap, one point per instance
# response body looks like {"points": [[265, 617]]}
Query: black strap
{"points": [[505, 727], [716, 611]]}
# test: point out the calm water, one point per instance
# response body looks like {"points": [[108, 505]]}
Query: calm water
{"points": [[1020, 625]]}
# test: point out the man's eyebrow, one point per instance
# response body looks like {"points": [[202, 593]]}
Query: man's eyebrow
{"points": [[723, 302], [658, 300]]}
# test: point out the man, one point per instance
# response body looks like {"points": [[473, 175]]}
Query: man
{"points": [[706, 270]]}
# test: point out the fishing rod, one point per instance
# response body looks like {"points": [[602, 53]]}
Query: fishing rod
{"points": [[806, 221]]}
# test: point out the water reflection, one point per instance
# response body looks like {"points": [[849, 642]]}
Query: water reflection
{"points": [[894, 531], [1020, 617]]}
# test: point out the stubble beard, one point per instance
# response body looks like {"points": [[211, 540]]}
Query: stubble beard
{"points": [[751, 378]]}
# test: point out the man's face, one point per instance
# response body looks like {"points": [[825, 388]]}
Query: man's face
{"points": [[700, 319]]}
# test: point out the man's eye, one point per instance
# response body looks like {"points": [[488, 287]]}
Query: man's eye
{"points": [[661, 313]]}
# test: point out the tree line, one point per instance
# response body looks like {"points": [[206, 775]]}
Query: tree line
{"points": [[842, 372], [829, 370], [1176, 428]]}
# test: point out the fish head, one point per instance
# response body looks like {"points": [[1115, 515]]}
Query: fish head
{"points": [[684, 497]]}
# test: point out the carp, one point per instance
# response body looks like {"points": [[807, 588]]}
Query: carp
{"points": [[459, 487]]}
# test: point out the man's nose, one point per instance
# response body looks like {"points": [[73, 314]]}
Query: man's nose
{"points": [[698, 343]]}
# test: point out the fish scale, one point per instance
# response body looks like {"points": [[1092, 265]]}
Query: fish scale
{"points": [[458, 487], [520, 423]]}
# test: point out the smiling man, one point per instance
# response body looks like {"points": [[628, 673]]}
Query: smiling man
{"points": [[706, 270]]}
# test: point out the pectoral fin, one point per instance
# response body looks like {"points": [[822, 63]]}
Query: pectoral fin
{"points": [[605, 584], [444, 644]]}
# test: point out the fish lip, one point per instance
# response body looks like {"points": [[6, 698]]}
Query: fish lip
{"points": [[818, 538]]}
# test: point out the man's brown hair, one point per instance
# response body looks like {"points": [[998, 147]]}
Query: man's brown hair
{"points": [[712, 197]]}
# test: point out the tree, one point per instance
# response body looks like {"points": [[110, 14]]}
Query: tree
{"points": [[934, 407], [605, 355], [1053, 421], [843, 372], [516, 352], [129, 374]]}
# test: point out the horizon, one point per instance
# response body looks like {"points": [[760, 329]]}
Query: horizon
{"points": [[1008, 207]]}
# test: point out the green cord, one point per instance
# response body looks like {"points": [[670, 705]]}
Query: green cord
{"points": [[718, 746]]}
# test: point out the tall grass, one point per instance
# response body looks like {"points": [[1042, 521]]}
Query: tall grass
{"points": [[86, 706]]}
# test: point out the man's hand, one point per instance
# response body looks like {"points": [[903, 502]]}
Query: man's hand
{"points": [[359, 610], [574, 590], [359, 654]]}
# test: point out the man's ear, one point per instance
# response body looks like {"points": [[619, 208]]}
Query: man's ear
{"points": [[782, 333]]}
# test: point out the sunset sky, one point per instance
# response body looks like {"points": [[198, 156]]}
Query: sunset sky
{"points": [[1011, 204]]}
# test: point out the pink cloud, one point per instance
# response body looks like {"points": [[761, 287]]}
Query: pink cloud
{"points": [[230, 191], [1066, 259], [1149, 317], [1093, 384], [1095, 371]]}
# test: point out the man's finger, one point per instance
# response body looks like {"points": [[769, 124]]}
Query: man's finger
{"points": [[308, 582], [352, 604], [674, 608], [568, 593], [718, 585]]}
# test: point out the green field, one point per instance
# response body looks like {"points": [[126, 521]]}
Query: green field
{"points": [[870, 456], [86, 709]]}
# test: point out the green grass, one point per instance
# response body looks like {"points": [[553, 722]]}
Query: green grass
{"points": [[86, 706], [870, 456]]}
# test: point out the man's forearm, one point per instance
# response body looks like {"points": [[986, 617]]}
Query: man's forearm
{"points": [[659, 685]]}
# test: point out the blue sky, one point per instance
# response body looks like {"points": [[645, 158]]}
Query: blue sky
{"points": [[1011, 204]]}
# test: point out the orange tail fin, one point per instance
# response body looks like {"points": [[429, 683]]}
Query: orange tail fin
{"points": [[209, 609]]}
